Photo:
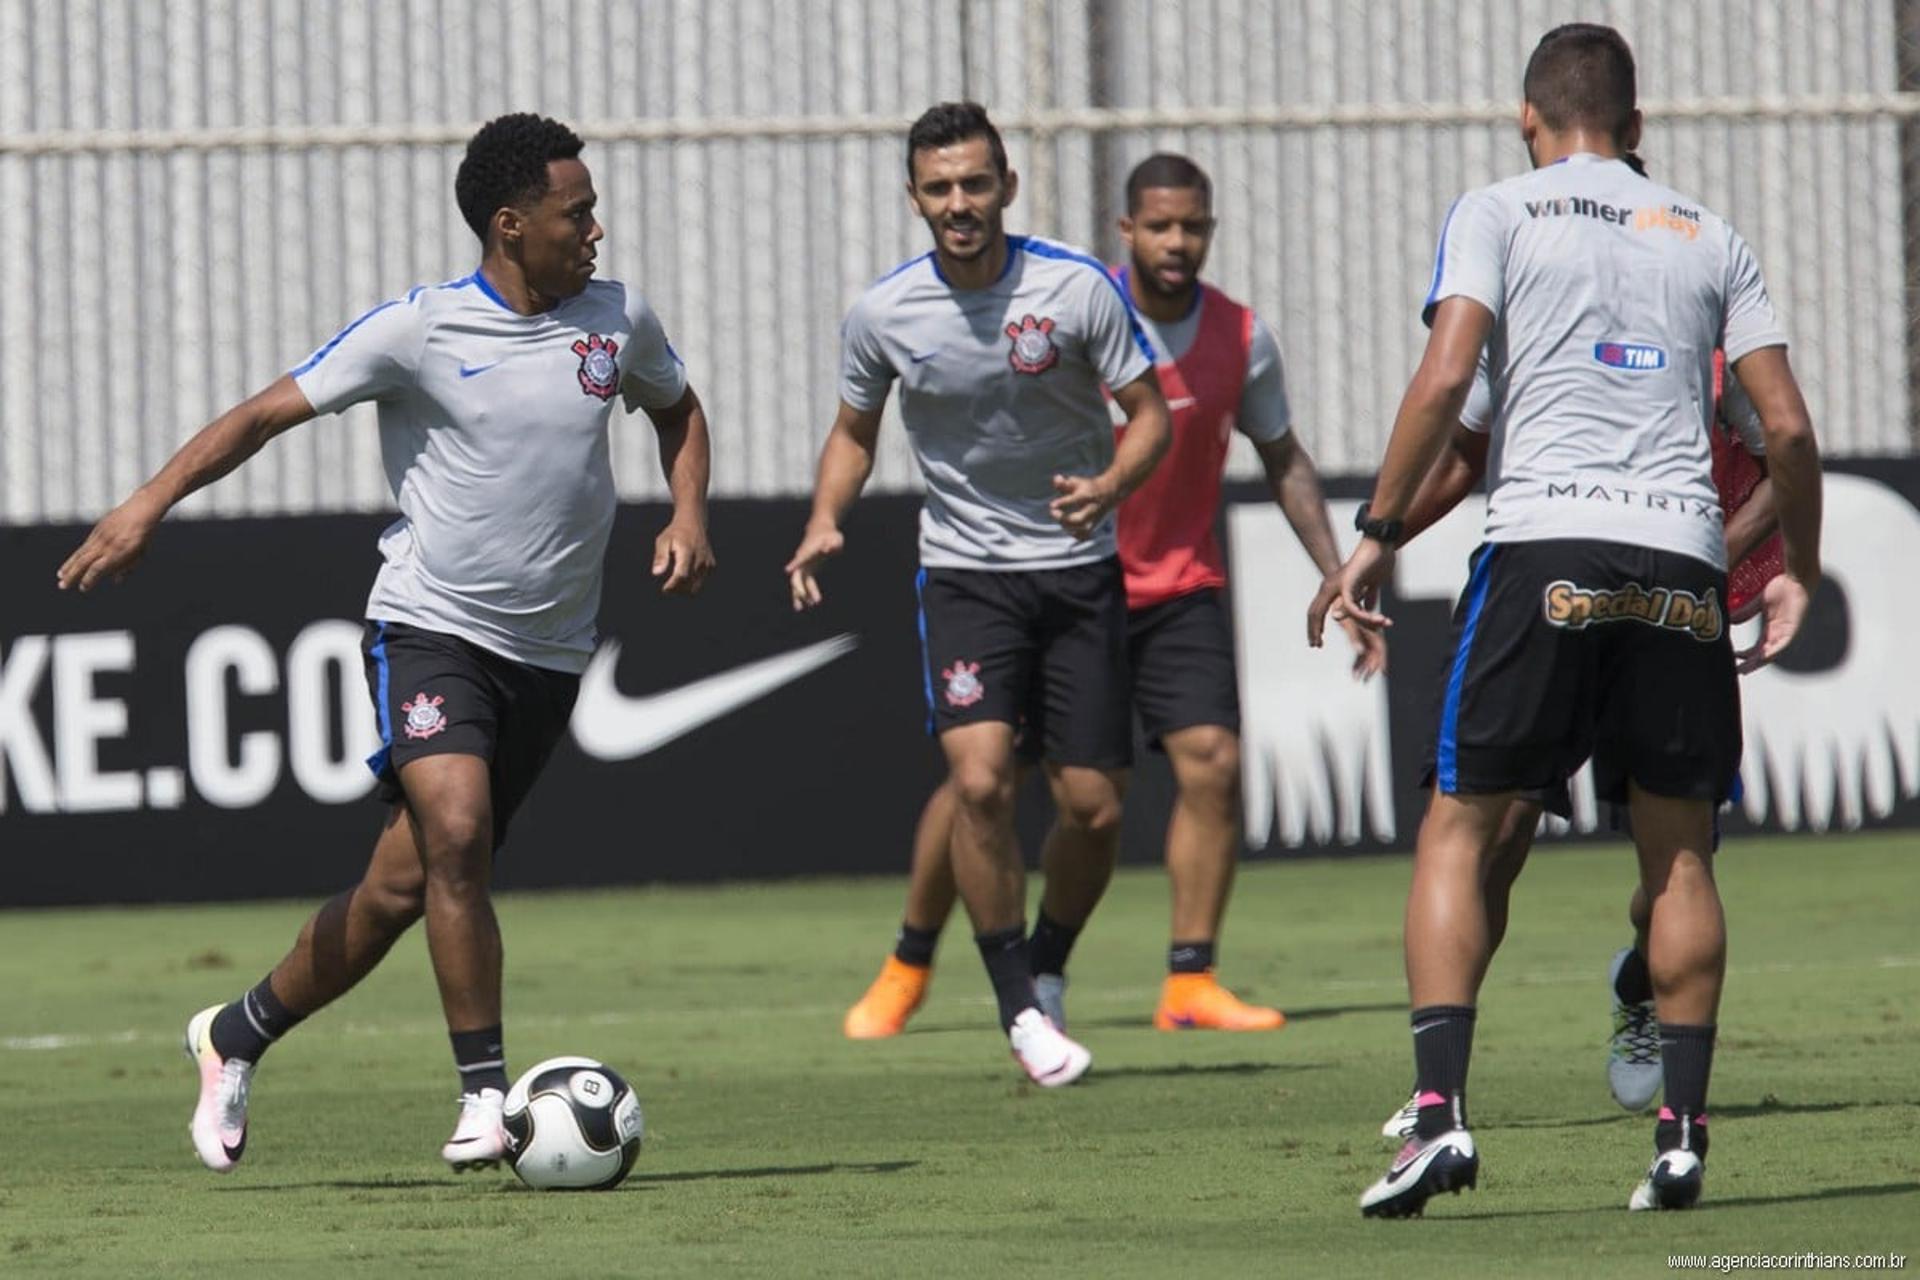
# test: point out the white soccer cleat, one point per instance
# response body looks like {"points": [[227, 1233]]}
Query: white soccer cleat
{"points": [[1633, 1054], [1673, 1182], [479, 1140], [1400, 1124], [1423, 1170], [1048, 1057], [219, 1125], [1050, 989]]}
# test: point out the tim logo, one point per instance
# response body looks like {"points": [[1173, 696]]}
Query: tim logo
{"points": [[1576, 608], [599, 373], [1635, 356]]}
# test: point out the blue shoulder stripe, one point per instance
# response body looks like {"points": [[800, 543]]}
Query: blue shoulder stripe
{"points": [[334, 341], [910, 262], [1440, 253], [1043, 249]]}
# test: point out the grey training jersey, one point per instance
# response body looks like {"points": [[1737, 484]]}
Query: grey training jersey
{"points": [[1000, 391], [1609, 294], [493, 429]]}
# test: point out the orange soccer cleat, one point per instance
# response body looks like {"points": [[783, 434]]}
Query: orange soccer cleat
{"points": [[889, 1002], [1197, 1001]]}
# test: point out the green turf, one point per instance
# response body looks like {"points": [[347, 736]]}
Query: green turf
{"points": [[775, 1147]]}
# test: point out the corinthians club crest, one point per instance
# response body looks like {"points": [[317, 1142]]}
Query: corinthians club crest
{"points": [[1033, 350], [599, 375], [424, 716], [963, 683]]}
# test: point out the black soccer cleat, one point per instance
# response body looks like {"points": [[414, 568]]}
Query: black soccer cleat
{"points": [[1422, 1170]]}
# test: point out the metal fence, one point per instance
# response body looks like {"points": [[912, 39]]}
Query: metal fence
{"points": [[197, 192]]}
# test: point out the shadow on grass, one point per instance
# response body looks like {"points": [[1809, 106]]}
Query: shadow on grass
{"points": [[1766, 1107], [1188, 1069], [776, 1171], [634, 1182], [1707, 1205], [1136, 1022]]}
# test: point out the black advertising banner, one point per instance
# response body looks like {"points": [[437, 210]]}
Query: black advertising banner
{"points": [[198, 731]]}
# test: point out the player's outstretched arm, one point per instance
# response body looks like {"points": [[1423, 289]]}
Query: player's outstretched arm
{"points": [[1429, 409], [682, 553], [845, 463], [120, 539], [1793, 468], [1295, 483], [1081, 502]]}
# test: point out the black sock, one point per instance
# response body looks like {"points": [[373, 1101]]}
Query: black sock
{"points": [[481, 1058], [1680, 1133], [915, 946], [1634, 985], [1442, 1045], [1005, 954], [1190, 957], [246, 1028], [1686, 1060], [1052, 942]]}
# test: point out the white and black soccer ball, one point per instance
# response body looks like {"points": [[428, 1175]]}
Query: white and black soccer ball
{"points": [[573, 1124]]}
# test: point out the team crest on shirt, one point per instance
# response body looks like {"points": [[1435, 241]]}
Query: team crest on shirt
{"points": [[599, 375], [424, 716], [1033, 350], [963, 683]]}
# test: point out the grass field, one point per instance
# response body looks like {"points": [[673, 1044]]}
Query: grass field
{"points": [[775, 1147]]}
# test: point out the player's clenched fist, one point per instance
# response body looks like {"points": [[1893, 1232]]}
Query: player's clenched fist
{"points": [[819, 542], [115, 545], [1082, 503]]}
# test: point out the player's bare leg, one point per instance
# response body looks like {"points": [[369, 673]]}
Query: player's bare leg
{"points": [[1203, 848], [450, 807], [343, 941], [338, 946], [1078, 859], [1687, 957], [1509, 857], [885, 1007], [1447, 951], [992, 882]]}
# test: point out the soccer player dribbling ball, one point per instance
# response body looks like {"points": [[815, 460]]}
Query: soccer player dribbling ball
{"points": [[1593, 621], [1001, 345], [494, 395], [1221, 370]]}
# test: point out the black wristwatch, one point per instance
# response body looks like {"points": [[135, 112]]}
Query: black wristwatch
{"points": [[1387, 531]]}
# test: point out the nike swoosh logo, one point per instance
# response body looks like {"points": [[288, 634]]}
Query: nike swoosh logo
{"points": [[468, 370], [1182, 402], [610, 725], [921, 357]]}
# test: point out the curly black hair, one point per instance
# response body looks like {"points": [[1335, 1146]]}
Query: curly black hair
{"points": [[946, 123], [506, 164]]}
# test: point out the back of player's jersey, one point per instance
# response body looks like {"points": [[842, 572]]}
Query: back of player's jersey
{"points": [[1610, 294]]}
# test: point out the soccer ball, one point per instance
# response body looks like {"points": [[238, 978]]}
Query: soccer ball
{"points": [[572, 1123]]}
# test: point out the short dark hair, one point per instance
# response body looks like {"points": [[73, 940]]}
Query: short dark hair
{"points": [[506, 164], [1165, 169], [946, 123], [1581, 74]]}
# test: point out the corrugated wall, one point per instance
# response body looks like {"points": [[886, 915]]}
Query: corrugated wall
{"points": [[141, 290]]}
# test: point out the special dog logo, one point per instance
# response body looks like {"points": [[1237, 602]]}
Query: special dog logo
{"points": [[599, 374], [1576, 608], [1033, 349], [424, 716], [963, 684]]}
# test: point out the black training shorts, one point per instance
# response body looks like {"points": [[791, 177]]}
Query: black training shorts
{"points": [[1575, 647], [996, 642], [436, 694], [1181, 652]]}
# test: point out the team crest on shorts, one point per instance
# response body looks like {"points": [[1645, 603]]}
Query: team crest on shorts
{"points": [[963, 684], [424, 716], [1033, 350], [599, 375]]}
